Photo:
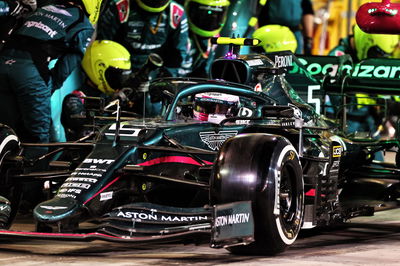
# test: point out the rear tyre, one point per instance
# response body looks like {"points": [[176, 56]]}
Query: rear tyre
{"points": [[265, 169]]}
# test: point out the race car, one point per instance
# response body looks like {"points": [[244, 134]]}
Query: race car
{"points": [[240, 160]]}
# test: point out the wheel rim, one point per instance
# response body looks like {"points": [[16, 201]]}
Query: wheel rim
{"points": [[290, 202]]}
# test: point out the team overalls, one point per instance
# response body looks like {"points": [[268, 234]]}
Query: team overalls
{"points": [[165, 33], [59, 32]]}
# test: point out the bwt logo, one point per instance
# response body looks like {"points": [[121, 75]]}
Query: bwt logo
{"points": [[337, 151], [98, 161]]}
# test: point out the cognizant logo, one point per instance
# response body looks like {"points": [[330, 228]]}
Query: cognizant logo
{"points": [[316, 68], [371, 71]]}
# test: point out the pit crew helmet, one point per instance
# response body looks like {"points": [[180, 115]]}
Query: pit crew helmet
{"points": [[276, 38], [215, 106], [206, 17], [107, 64], [93, 9], [373, 45], [153, 6]]}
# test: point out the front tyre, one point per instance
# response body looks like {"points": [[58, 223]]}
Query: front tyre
{"points": [[265, 169], [10, 193]]}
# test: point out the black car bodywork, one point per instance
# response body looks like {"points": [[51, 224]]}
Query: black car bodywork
{"points": [[251, 181]]}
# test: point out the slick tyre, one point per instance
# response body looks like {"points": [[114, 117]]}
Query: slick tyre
{"points": [[266, 170], [9, 145]]}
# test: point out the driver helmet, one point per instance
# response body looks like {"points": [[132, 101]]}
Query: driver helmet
{"points": [[93, 9], [154, 6], [276, 38], [206, 17], [214, 106], [107, 64], [373, 45]]}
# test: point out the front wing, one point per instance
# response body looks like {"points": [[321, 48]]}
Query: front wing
{"points": [[145, 223]]}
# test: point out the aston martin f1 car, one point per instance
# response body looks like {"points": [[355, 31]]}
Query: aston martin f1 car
{"points": [[239, 159]]}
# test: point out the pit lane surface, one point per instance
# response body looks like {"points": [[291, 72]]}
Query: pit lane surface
{"points": [[363, 241]]}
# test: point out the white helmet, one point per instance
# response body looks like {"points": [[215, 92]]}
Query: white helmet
{"points": [[214, 106]]}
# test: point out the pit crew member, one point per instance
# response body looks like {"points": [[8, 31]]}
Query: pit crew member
{"points": [[107, 66], [54, 31], [206, 19], [148, 26], [298, 15], [274, 38], [359, 46]]}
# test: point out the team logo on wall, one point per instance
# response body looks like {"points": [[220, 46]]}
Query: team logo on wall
{"points": [[215, 140]]}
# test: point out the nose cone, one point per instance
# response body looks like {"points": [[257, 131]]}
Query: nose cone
{"points": [[56, 209]]}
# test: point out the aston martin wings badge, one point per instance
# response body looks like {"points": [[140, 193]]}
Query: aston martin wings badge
{"points": [[214, 140]]}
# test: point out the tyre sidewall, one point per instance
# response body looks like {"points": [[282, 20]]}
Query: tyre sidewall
{"points": [[269, 225]]}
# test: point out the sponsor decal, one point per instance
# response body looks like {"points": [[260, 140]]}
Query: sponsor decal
{"points": [[92, 168], [86, 174], [98, 161], [123, 10], [81, 179], [70, 190], [41, 26], [255, 62], [56, 20], [316, 69], [238, 218], [291, 155], [160, 217], [100, 68], [106, 196], [337, 151], [371, 71], [143, 46], [176, 15], [258, 87], [64, 196], [245, 112], [76, 185], [215, 140], [283, 61], [233, 223], [288, 123]]}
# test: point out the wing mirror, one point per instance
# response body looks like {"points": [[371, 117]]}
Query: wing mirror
{"points": [[379, 17]]}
